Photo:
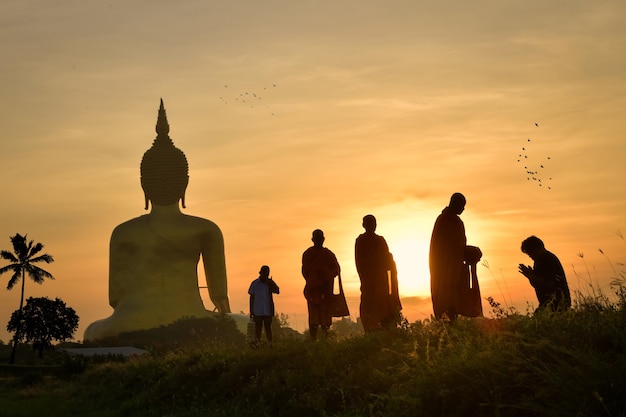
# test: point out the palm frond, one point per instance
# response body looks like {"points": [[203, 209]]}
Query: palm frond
{"points": [[28, 248], [9, 256], [12, 267], [5, 254], [43, 258], [33, 250], [37, 274], [14, 279]]}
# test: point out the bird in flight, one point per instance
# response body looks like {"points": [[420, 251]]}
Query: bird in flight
{"points": [[246, 97]]}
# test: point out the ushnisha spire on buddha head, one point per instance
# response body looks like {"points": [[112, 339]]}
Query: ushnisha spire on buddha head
{"points": [[164, 168]]}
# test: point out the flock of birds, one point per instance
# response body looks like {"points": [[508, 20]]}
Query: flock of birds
{"points": [[534, 168], [249, 99]]}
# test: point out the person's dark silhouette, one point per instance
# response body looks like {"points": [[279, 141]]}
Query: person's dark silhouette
{"points": [[319, 269], [449, 276], [262, 303], [546, 276], [373, 263]]}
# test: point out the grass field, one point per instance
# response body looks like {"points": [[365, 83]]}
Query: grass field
{"points": [[568, 364]]}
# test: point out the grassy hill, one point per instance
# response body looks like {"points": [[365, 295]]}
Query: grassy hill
{"points": [[568, 364]]}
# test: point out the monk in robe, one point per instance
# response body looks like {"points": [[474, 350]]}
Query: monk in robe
{"points": [[395, 305], [154, 258], [373, 264], [447, 251], [319, 269]]}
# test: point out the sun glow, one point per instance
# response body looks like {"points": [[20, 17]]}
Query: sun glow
{"points": [[407, 226], [411, 256]]}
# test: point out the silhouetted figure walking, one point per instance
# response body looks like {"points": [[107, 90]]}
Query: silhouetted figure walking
{"points": [[262, 303], [449, 274], [373, 263], [546, 276], [319, 269]]}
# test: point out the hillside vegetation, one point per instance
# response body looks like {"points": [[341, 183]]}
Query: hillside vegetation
{"points": [[568, 364]]}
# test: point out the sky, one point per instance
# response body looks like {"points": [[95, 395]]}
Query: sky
{"points": [[311, 114]]}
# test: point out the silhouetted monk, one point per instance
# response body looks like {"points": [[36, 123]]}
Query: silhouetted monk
{"points": [[373, 263], [447, 251], [546, 276], [319, 269], [154, 258]]}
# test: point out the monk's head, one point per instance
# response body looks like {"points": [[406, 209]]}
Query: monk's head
{"points": [[164, 168], [369, 223], [318, 237], [457, 203]]}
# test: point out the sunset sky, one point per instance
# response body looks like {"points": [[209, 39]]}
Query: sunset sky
{"points": [[297, 115]]}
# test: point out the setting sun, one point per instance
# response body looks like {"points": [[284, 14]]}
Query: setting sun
{"points": [[411, 256], [407, 229]]}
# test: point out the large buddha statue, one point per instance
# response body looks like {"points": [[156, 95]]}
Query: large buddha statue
{"points": [[153, 278]]}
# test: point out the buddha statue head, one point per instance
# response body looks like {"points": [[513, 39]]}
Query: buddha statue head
{"points": [[164, 168]]}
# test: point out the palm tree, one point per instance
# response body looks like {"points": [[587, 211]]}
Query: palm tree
{"points": [[23, 257]]}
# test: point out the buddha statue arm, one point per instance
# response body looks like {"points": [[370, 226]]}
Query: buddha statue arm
{"points": [[123, 254], [215, 269], [115, 283]]}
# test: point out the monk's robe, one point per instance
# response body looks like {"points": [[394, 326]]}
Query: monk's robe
{"points": [[373, 261], [395, 305], [319, 268], [447, 271]]}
